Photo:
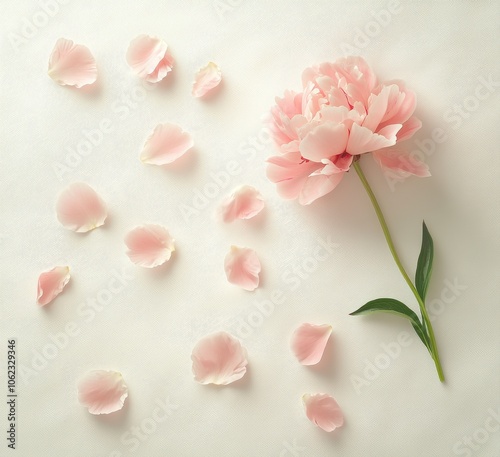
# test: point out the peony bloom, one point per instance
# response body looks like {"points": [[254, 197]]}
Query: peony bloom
{"points": [[341, 113]]}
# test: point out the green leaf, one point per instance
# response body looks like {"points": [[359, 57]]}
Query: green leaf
{"points": [[424, 264], [393, 306]]}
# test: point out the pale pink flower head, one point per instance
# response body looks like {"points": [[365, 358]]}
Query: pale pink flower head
{"points": [[342, 112]]}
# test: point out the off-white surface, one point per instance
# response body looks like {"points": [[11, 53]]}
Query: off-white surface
{"points": [[147, 329]]}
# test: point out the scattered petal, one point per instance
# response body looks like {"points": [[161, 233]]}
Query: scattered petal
{"points": [[166, 144], [150, 58], [72, 64], [149, 245], [242, 267], [51, 283], [219, 359], [323, 410], [102, 392], [79, 208], [244, 203], [309, 342], [206, 79]]}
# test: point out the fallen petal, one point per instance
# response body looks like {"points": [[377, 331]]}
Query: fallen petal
{"points": [[323, 410], [219, 359], [79, 208], [166, 144], [309, 342], [242, 267], [244, 203], [72, 64], [206, 79], [102, 392], [149, 58], [149, 245], [51, 283]]}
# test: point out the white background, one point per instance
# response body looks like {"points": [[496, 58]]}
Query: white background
{"points": [[147, 330]]}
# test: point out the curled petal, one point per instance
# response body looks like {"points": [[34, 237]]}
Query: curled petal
{"points": [[206, 79], [102, 392], [242, 268], [149, 57], [409, 128], [309, 342], [72, 64], [244, 203], [323, 411], [166, 144], [51, 283], [219, 359], [401, 162], [149, 245], [79, 208]]}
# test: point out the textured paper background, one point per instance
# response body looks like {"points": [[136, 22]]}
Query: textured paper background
{"points": [[147, 328]]}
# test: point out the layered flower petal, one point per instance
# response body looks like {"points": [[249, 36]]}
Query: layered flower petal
{"points": [[72, 64], [206, 79], [149, 245], [323, 411], [79, 208], [149, 58], [102, 392], [401, 162], [242, 268], [51, 283], [325, 141], [166, 144], [309, 342], [219, 359], [363, 140], [244, 203]]}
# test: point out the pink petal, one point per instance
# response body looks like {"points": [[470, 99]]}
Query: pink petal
{"points": [[166, 144], [309, 342], [80, 209], [102, 392], [323, 411], [149, 245], [324, 141], [242, 268], [51, 283], [206, 79], [72, 64], [244, 203], [401, 161], [219, 359], [149, 57], [317, 185], [362, 140], [409, 128]]}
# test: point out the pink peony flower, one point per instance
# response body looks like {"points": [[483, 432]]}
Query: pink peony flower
{"points": [[341, 113]]}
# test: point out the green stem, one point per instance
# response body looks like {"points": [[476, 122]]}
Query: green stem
{"points": [[388, 238]]}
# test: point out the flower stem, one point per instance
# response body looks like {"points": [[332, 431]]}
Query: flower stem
{"points": [[425, 317]]}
